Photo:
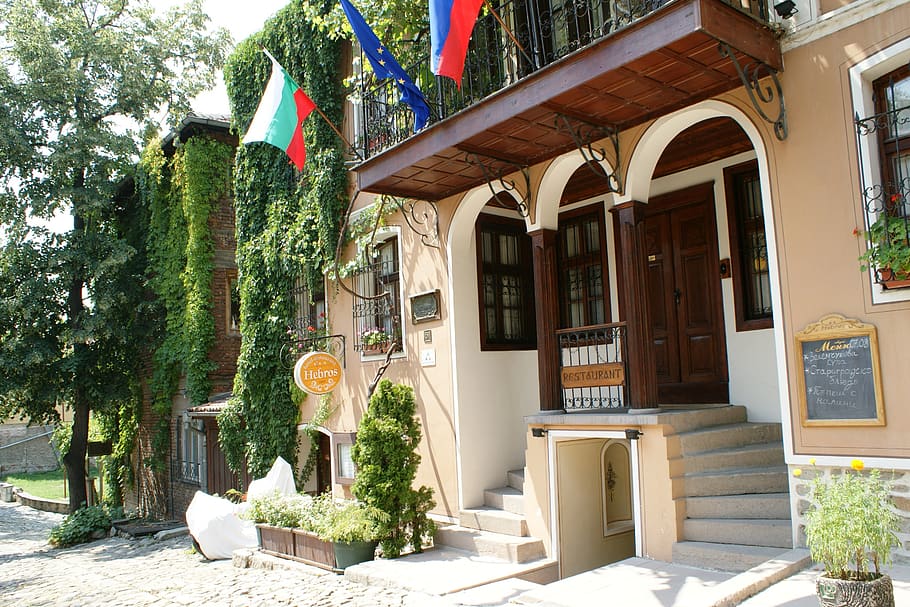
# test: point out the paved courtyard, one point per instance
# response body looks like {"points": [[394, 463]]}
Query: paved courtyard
{"points": [[144, 572]]}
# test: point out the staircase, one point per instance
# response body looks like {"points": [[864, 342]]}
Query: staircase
{"points": [[499, 530], [735, 493]]}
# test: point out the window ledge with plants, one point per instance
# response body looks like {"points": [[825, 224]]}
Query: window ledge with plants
{"points": [[888, 248]]}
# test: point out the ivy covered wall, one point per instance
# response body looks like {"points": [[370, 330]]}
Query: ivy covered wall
{"points": [[287, 227], [180, 193]]}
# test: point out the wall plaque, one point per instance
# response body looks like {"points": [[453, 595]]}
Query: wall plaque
{"points": [[839, 373], [425, 306]]}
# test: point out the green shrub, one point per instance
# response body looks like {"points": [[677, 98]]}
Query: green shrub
{"points": [[83, 525], [386, 457]]}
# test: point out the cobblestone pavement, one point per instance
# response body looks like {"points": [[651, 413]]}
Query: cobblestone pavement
{"points": [[144, 572]]}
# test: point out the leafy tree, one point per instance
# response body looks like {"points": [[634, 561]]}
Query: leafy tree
{"points": [[81, 81]]}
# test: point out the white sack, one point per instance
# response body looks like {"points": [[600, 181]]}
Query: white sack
{"points": [[215, 524], [280, 478]]}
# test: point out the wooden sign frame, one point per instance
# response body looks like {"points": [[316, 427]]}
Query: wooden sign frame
{"points": [[836, 327]]}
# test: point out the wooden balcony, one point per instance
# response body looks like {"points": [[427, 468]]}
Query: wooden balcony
{"points": [[659, 62]]}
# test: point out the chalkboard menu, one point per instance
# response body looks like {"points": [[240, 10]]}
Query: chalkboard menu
{"points": [[840, 377]]}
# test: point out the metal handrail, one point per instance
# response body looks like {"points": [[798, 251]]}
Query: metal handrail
{"points": [[497, 59]]}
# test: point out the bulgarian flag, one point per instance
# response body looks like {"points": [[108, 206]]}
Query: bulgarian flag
{"points": [[281, 112], [451, 25]]}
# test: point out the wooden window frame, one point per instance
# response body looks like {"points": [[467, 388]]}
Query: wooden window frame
{"points": [[889, 145], [734, 222], [230, 279], [338, 440], [580, 215], [506, 225]]}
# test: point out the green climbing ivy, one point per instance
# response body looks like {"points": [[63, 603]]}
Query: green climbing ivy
{"points": [[180, 194], [287, 228]]}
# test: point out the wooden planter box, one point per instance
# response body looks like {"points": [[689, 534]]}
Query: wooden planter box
{"points": [[297, 545], [310, 549]]}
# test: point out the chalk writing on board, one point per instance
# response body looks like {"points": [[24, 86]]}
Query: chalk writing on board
{"points": [[839, 373]]}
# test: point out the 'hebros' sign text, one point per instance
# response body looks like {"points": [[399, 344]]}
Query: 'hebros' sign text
{"points": [[317, 373]]}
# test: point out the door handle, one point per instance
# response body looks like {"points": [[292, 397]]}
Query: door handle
{"points": [[676, 295]]}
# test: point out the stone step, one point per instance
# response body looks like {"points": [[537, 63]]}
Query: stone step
{"points": [[774, 533], [494, 520], [737, 481], [716, 415], [725, 437], [749, 505], [505, 498], [516, 479], [506, 547], [747, 456], [723, 557]]}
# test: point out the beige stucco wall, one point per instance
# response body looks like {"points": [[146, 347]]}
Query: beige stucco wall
{"points": [[818, 208], [422, 269]]}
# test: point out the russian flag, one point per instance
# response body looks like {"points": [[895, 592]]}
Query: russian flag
{"points": [[451, 24]]}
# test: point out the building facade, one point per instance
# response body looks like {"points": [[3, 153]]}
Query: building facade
{"points": [[614, 261]]}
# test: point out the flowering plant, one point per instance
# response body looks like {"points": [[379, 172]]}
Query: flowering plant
{"points": [[851, 523], [374, 336], [888, 247]]}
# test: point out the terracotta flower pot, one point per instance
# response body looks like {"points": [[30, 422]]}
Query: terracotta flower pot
{"points": [[833, 592]]}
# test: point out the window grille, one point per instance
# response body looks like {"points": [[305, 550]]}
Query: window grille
{"points": [[377, 314], [886, 196], [190, 450]]}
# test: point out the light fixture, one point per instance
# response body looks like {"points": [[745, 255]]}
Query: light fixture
{"points": [[538, 432], [785, 9], [633, 434]]}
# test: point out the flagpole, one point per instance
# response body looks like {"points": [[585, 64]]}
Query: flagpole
{"points": [[508, 31], [337, 132], [319, 110]]}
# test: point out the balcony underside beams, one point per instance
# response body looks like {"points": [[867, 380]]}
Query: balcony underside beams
{"points": [[663, 62]]}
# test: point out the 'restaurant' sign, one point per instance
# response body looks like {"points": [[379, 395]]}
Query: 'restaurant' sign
{"points": [[317, 373], [590, 376]]}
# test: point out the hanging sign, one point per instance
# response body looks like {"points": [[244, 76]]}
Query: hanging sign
{"points": [[317, 373]]}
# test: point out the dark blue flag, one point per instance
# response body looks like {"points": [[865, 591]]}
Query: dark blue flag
{"points": [[386, 66]]}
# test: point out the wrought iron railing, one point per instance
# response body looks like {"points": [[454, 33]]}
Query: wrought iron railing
{"points": [[886, 200], [593, 367], [537, 36]]}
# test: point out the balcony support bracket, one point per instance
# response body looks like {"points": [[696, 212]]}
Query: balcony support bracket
{"points": [[584, 134], [761, 95], [422, 216], [518, 200]]}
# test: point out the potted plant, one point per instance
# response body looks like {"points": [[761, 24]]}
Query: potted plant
{"points": [[850, 525], [354, 530], [275, 516], [888, 250], [374, 339]]}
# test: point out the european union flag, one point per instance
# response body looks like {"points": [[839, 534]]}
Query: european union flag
{"points": [[386, 66]]}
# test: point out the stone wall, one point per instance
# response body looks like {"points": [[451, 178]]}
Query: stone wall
{"points": [[18, 455], [801, 489]]}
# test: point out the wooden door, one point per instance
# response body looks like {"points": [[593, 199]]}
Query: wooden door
{"points": [[324, 465], [684, 297]]}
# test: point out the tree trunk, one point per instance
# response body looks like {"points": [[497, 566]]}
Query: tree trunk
{"points": [[74, 460]]}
